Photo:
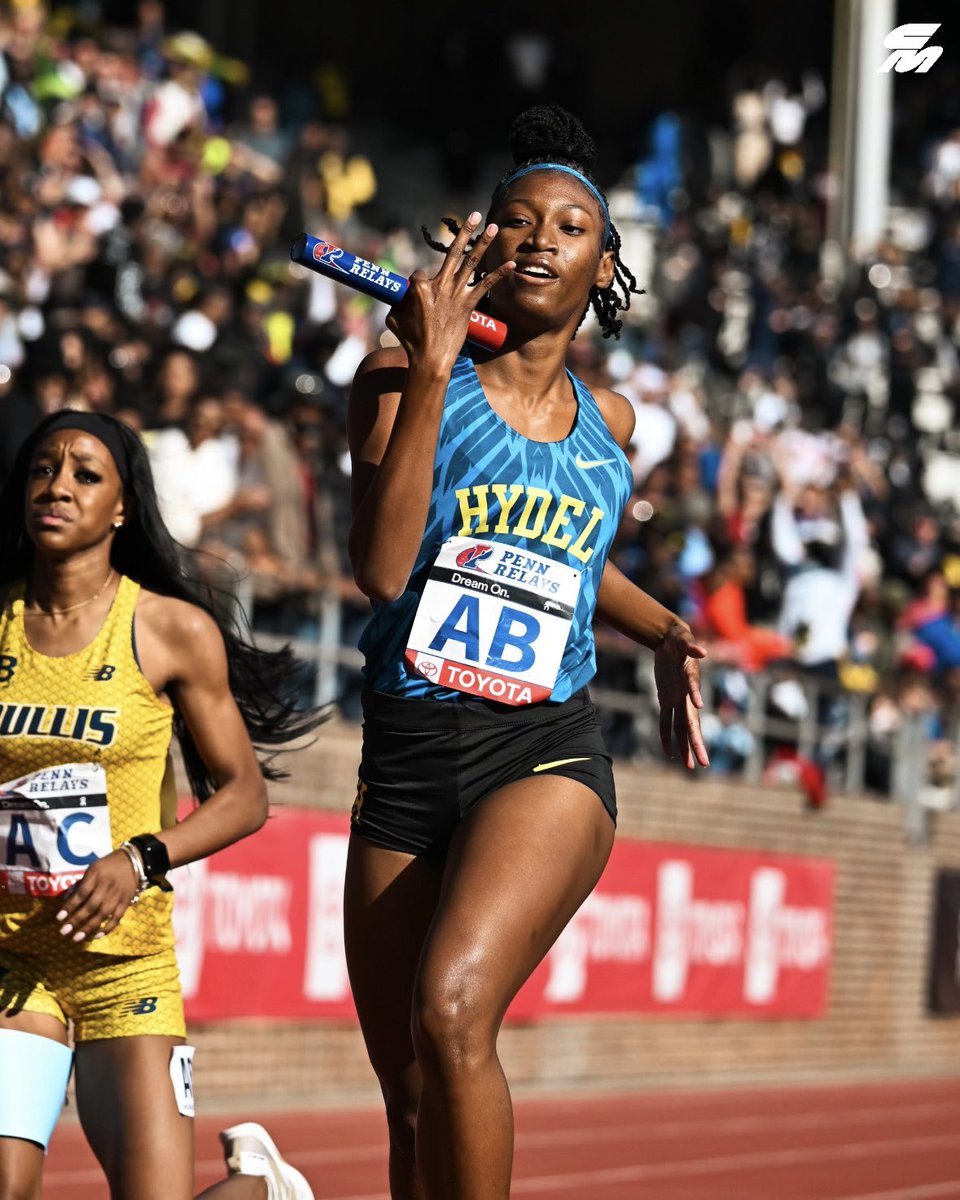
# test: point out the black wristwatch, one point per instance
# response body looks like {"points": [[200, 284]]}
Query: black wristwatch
{"points": [[156, 859]]}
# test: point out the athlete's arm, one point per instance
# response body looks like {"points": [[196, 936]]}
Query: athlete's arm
{"points": [[181, 653], [629, 610], [183, 643], [394, 416], [676, 665], [393, 422]]}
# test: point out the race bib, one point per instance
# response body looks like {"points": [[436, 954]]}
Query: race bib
{"points": [[493, 621], [53, 825]]}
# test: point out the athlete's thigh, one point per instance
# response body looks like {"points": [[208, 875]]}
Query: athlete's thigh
{"points": [[519, 867], [389, 901], [129, 1112]]}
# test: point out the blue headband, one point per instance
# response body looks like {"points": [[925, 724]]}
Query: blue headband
{"points": [[552, 166]]}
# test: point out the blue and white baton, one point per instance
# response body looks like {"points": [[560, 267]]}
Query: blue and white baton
{"points": [[381, 284]]}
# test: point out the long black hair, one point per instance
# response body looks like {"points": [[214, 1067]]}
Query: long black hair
{"points": [[144, 549], [550, 134]]}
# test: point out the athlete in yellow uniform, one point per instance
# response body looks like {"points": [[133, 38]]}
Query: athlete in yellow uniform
{"points": [[94, 707], [106, 648]]}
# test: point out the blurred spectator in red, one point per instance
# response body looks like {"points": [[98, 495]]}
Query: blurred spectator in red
{"points": [[725, 615]]}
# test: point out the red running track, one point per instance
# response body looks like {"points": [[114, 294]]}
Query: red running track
{"points": [[897, 1141]]}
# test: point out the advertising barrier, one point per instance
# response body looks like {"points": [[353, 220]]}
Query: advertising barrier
{"points": [[670, 929]]}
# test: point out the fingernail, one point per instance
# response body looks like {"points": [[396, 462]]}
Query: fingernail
{"points": [[78, 937], [99, 935], [66, 929], [474, 218], [491, 230], [61, 915]]}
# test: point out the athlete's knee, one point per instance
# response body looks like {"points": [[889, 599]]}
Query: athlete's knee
{"points": [[453, 1029], [401, 1121], [400, 1088]]}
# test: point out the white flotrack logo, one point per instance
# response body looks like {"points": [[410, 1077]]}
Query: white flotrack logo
{"points": [[910, 49]]}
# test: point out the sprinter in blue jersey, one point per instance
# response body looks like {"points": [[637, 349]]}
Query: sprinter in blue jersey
{"points": [[487, 494]]}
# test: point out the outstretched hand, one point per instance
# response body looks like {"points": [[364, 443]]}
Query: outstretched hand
{"points": [[433, 319], [676, 668]]}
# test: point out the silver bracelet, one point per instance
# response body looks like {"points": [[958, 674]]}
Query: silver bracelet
{"points": [[137, 863]]}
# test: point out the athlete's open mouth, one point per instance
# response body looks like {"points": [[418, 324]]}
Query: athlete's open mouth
{"points": [[535, 270]]}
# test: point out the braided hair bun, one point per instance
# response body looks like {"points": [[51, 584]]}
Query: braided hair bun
{"points": [[550, 133]]}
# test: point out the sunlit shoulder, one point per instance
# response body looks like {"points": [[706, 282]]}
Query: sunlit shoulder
{"points": [[188, 636], [618, 413]]}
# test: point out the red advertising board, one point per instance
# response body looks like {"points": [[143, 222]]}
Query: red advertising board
{"points": [[669, 928]]}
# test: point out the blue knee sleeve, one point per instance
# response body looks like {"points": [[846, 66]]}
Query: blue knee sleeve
{"points": [[34, 1072]]}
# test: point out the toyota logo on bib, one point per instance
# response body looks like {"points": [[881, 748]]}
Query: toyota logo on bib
{"points": [[429, 668]]}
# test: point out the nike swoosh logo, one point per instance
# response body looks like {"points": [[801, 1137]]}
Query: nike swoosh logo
{"points": [[561, 762], [584, 464]]}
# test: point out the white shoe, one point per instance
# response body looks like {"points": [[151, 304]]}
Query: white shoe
{"points": [[249, 1150]]}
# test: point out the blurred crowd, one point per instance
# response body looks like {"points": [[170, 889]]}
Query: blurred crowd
{"points": [[795, 459]]}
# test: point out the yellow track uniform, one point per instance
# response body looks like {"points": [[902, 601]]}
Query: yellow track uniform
{"points": [[85, 710]]}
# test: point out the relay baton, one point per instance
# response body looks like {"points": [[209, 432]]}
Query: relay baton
{"points": [[381, 284]]}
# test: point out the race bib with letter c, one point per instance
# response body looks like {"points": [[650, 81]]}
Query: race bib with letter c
{"points": [[53, 824]]}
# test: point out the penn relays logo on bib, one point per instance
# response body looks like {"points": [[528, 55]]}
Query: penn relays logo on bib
{"points": [[473, 556]]}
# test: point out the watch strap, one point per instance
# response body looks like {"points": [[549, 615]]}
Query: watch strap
{"points": [[155, 858]]}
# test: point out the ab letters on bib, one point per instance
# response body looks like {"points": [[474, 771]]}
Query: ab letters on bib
{"points": [[53, 824], [493, 621]]}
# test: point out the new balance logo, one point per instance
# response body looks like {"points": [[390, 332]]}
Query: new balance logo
{"points": [[910, 49], [102, 673], [139, 1008]]}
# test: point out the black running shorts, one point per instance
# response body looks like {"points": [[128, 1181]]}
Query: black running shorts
{"points": [[426, 763]]}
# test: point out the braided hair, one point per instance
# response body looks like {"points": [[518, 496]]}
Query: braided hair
{"points": [[550, 134]]}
